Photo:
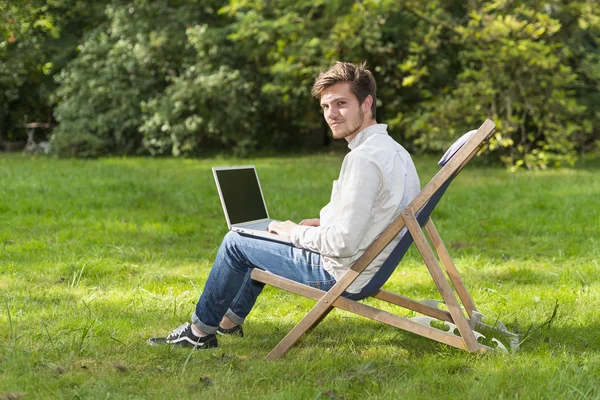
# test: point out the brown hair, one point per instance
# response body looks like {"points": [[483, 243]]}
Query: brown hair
{"points": [[362, 83]]}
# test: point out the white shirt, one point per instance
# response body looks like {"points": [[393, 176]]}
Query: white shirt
{"points": [[377, 181]]}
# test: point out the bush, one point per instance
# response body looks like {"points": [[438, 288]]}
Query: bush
{"points": [[188, 76], [514, 72], [121, 64]]}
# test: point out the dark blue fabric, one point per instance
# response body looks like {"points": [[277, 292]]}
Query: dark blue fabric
{"points": [[384, 273], [381, 276]]}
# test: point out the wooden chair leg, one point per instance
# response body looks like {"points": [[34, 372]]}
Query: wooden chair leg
{"points": [[440, 280], [321, 318], [448, 264], [373, 313], [319, 311]]}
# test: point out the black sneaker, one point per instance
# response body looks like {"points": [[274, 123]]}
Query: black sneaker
{"points": [[183, 336], [236, 330]]}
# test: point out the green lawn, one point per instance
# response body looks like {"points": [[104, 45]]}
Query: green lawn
{"points": [[97, 256]]}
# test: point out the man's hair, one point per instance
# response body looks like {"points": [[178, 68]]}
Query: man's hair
{"points": [[358, 76]]}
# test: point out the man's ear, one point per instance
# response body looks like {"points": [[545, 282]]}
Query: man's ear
{"points": [[367, 103]]}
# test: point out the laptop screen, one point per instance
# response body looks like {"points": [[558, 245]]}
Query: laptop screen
{"points": [[241, 195]]}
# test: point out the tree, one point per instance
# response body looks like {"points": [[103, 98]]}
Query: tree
{"points": [[516, 69], [37, 38], [183, 77], [132, 57]]}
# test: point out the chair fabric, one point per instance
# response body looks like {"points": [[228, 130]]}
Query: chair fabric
{"points": [[390, 264], [456, 146]]}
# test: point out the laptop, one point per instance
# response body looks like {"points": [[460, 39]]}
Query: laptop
{"points": [[243, 202]]}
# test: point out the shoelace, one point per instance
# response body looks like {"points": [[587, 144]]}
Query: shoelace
{"points": [[178, 331]]}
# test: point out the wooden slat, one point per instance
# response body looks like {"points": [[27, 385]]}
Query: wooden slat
{"points": [[460, 159], [401, 323], [440, 280], [287, 284], [448, 264], [323, 306], [314, 316], [316, 294], [359, 309], [413, 305]]}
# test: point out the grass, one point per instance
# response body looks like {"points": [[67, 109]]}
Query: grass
{"points": [[97, 256]]}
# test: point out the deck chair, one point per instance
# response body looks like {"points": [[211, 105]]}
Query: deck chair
{"points": [[461, 330]]}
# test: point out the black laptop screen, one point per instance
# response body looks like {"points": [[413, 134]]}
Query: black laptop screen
{"points": [[241, 195]]}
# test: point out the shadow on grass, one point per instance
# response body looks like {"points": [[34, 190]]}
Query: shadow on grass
{"points": [[373, 340], [514, 276], [342, 332]]}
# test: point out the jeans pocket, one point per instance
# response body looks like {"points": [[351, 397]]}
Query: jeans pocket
{"points": [[323, 285]]}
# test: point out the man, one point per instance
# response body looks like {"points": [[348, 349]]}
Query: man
{"points": [[377, 180]]}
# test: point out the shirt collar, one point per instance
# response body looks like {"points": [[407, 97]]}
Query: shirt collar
{"points": [[367, 133]]}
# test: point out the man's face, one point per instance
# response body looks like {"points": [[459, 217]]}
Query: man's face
{"points": [[344, 115]]}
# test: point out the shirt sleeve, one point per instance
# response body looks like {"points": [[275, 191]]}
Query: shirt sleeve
{"points": [[359, 188]]}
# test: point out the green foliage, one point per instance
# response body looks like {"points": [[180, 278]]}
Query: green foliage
{"points": [[129, 59], [515, 69], [250, 83], [183, 77], [37, 38], [197, 108], [208, 104]]}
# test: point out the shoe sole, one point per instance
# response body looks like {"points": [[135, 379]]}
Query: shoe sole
{"points": [[181, 343], [238, 332]]}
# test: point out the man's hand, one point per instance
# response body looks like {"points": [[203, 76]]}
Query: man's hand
{"points": [[282, 228], [311, 222]]}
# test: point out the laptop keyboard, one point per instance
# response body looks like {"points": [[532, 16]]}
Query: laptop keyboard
{"points": [[259, 226]]}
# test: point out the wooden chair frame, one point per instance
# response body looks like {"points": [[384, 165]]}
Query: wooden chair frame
{"points": [[454, 317]]}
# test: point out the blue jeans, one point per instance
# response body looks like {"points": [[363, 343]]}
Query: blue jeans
{"points": [[230, 292]]}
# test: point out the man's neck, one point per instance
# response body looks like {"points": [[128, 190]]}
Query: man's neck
{"points": [[364, 126]]}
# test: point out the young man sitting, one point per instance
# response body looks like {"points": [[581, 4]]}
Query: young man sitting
{"points": [[377, 180]]}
